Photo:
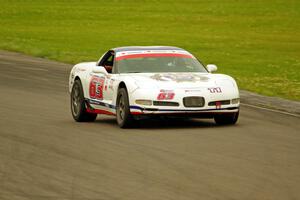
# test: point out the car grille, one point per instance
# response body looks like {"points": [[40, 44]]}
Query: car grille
{"points": [[223, 102], [165, 103], [193, 101]]}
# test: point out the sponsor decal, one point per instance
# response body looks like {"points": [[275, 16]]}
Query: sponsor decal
{"points": [[111, 83], [215, 90], [105, 85], [96, 87], [192, 90], [166, 95]]}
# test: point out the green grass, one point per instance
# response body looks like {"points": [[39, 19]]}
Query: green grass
{"points": [[257, 42]]}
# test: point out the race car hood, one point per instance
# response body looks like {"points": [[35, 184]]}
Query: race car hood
{"points": [[181, 80]]}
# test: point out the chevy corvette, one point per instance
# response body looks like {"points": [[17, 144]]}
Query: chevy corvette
{"points": [[133, 83]]}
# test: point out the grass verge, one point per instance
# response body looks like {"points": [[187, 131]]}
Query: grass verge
{"points": [[257, 42]]}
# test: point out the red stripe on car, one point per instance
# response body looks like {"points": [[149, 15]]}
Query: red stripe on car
{"points": [[98, 111], [135, 113]]}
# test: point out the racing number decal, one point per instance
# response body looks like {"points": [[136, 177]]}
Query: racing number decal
{"points": [[96, 87], [165, 95]]}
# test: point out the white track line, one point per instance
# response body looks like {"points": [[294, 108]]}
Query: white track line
{"points": [[272, 110]]}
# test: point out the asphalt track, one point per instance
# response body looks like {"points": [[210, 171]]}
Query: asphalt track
{"points": [[45, 155]]}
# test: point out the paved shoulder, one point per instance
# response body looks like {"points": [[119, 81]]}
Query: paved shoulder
{"points": [[275, 103]]}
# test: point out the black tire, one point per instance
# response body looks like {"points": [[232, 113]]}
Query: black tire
{"points": [[226, 119], [78, 107], [124, 118]]}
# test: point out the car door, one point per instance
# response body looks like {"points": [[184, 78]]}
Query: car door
{"points": [[98, 82]]}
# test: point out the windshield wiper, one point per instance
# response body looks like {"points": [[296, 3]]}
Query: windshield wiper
{"points": [[135, 72]]}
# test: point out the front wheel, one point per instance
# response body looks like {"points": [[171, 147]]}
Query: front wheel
{"points": [[78, 106], [227, 118], [124, 118]]}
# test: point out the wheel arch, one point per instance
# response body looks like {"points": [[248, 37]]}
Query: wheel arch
{"points": [[72, 81], [77, 78], [130, 86], [81, 79], [122, 85]]}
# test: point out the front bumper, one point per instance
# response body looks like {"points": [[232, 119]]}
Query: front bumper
{"points": [[213, 102]]}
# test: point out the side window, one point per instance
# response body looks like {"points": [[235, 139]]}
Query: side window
{"points": [[107, 61]]}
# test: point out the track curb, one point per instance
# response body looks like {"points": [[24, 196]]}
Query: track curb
{"points": [[270, 103]]}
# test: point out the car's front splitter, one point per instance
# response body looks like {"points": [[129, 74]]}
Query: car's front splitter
{"points": [[137, 110]]}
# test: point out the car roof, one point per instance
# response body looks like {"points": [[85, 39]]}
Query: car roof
{"points": [[141, 48]]}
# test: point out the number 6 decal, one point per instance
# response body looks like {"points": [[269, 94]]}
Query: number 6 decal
{"points": [[96, 87]]}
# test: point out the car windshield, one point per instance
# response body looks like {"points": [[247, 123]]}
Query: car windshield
{"points": [[158, 63]]}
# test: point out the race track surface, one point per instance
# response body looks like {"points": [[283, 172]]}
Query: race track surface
{"points": [[45, 155]]}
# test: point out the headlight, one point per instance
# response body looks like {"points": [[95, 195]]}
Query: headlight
{"points": [[143, 102], [235, 101]]}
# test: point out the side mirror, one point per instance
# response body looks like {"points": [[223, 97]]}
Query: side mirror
{"points": [[211, 68], [99, 70]]}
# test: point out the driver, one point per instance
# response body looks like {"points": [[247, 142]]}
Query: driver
{"points": [[108, 67], [108, 64]]}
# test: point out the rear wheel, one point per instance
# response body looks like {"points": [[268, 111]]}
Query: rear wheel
{"points": [[226, 119], [124, 118], [78, 106]]}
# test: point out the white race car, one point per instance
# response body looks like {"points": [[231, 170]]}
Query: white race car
{"points": [[137, 82]]}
